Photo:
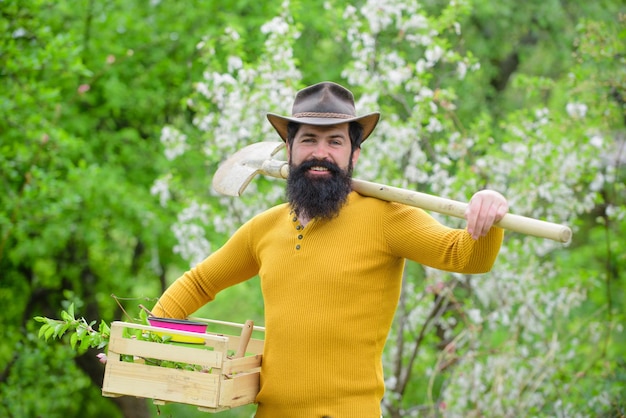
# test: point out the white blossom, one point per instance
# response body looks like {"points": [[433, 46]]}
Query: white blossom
{"points": [[232, 33], [576, 110], [276, 25], [234, 63], [457, 28], [161, 189], [434, 54], [597, 141], [173, 141], [434, 125], [189, 231]]}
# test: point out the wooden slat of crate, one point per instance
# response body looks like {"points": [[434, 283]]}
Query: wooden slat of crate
{"points": [[171, 385], [240, 390], [218, 341], [242, 364], [147, 349]]}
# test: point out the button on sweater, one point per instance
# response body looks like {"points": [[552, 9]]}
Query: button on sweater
{"points": [[330, 292]]}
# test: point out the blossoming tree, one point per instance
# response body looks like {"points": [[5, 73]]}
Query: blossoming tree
{"points": [[499, 344]]}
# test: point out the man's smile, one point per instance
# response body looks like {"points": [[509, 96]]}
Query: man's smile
{"points": [[318, 171], [319, 168]]}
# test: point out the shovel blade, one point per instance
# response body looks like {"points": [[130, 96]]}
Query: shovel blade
{"points": [[236, 172]]}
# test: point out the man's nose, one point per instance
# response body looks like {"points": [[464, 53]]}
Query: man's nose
{"points": [[320, 151]]}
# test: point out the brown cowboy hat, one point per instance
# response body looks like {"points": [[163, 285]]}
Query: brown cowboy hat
{"points": [[322, 104]]}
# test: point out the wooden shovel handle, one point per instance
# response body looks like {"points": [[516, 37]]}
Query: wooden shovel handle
{"points": [[516, 223], [457, 209], [230, 324], [246, 333]]}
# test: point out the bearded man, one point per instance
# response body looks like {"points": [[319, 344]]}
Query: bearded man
{"points": [[331, 263]]}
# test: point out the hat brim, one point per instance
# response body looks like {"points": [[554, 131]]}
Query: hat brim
{"points": [[368, 122]]}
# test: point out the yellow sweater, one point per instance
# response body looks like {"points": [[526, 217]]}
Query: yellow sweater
{"points": [[330, 291]]}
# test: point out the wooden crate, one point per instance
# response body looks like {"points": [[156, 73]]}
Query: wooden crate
{"points": [[224, 383]]}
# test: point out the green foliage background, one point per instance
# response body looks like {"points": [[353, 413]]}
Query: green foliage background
{"points": [[87, 87]]}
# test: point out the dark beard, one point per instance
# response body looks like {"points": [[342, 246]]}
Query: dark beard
{"points": [[320, 198]]}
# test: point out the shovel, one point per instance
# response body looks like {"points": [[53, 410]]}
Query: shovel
{"points": [[234, 175]]}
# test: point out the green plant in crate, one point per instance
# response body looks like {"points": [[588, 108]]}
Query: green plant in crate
{"points": [[85, 335]]}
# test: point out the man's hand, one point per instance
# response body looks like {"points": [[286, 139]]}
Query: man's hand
{"points": [[485, 208]]}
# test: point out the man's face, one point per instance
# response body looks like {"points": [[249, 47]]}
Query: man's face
{"points": [[320, 163], [330, 143]]}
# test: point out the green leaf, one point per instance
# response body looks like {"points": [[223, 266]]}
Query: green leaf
{"points": [[104, 329], [81, 331], [85, 343], [65, 316], [43, 330], [59, 329], [49, 332], [73, 341]]}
